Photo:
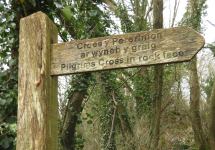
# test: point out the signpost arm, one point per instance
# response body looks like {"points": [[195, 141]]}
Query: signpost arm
{"points": [[37, 90]]}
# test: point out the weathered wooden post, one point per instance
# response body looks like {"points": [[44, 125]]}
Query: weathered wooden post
{"points": [[37, 98]]}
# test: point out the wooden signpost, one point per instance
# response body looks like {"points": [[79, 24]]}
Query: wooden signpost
{"points": [[160, 46], [37, 89], [40, 61]]}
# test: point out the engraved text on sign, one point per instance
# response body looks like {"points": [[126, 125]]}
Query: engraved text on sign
{"points": [[128, 50]]}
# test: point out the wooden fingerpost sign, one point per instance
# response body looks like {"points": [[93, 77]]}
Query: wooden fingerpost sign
{"points": [[37, 90], [153, 47], [40, 57]]}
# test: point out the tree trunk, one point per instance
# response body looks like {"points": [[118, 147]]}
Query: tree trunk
{"points": [[139, 106], [106, 119], [194, 105], [126, 126], [148, 86], [141, 100], [200, 138], [158, 75], [72, 112], [212, 119]]}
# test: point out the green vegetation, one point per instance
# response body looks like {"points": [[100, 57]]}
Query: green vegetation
{"points": [[113, 109]]}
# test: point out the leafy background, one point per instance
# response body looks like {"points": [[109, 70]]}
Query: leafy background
{"points": [[92, 128]]}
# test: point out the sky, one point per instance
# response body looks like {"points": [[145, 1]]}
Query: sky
{"points": [[205, 57], [210, 29]]}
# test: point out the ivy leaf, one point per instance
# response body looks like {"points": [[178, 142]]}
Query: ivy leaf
{"points": [[70, 108], [1, 28], [9, 100], [79, 121], [9, 18], [13, 128], [33, 2], [19, 8], [81, 27], [14, 77], [88, 115], [2, 101], [13, 25], [66, 12], [11, 41], [92, 13], [1, 7], [15, 91], [89, 122], [12, 62], [3, 54], [11, 120], [64, 34], [7, 141], [58, 4], [72, 7], [2, 139], [59, 29]]}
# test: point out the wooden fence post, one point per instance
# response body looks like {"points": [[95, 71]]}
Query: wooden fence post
{"points": [[37, 90]]}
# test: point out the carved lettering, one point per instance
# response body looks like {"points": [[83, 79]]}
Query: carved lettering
{"points": [[82, 55], [106, 43], [94, 53], [79, 46], [94, 44], [173, 54], [146, 46], [63, 66], [126, 49], [120, 41], [137, 38], [110, 62], [99, 44], [106, 52]]}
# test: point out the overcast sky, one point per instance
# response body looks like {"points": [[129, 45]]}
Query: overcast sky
{"points": [[210, 29], [210, 32]]}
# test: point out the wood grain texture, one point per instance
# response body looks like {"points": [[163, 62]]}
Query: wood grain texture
{"points": [[157, 46], [37, 104]]}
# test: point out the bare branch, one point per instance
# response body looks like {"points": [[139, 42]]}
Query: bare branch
{"points": [[93, 130], [149, 10], [110, 4], [209, 47], [114, 98], [64, 40], [112, 123], [126, 84], [128, 79], [167, 104], [211, 23], [67, 25], [175, 12], [89, 95]]}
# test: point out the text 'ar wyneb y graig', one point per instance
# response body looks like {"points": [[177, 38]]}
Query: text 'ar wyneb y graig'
{"points": [[138, 49]]}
